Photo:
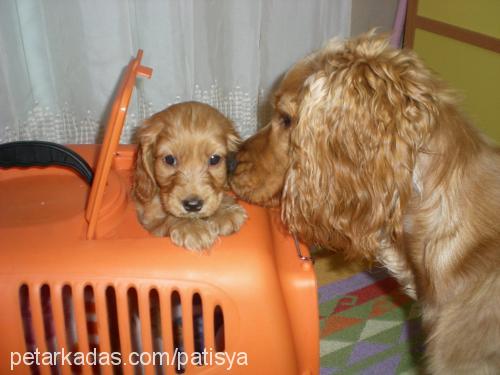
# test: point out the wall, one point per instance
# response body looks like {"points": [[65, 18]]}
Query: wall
{"points": [[459, 39], [367, 14]]}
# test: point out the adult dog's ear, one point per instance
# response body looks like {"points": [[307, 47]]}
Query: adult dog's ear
{"points": [[144, 181], [361, 123]]}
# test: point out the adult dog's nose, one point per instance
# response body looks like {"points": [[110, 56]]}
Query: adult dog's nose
{"points": [[192, 204]]}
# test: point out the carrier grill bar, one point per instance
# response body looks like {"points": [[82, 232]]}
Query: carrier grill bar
{"points": [[208, 323]]}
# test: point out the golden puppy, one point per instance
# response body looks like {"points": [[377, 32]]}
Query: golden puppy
{"points": [[367, 152], [181, 175]]}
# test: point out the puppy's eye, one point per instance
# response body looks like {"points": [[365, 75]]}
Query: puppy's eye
{"points": [[214, 159], [170, 160], [286, 121]]}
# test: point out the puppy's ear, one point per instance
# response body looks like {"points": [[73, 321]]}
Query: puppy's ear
{"points": [[144, 181], [233, 140], [353, 150]]}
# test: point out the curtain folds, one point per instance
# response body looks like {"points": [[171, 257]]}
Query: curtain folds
{"points": [[60, 60]]}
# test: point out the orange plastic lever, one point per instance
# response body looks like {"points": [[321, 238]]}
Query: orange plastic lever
{"points": [[111, 140]]}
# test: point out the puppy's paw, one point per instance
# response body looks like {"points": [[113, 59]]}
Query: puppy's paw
{"points": [[229, 218], [193, 234], [159, 231]]}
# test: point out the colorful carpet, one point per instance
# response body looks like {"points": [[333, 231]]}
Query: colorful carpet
{"points": [[368, 326]]}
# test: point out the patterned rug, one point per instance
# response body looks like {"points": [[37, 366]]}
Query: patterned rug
{"points": [[368, 326]]}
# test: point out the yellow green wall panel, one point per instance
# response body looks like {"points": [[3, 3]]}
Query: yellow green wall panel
{"points": [[474, 72], [481, 16]]}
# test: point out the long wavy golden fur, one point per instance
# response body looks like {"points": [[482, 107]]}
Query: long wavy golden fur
{"points": [[367, 152]]}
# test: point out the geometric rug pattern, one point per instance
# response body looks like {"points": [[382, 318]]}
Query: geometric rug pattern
{"points": [[368, 326]]}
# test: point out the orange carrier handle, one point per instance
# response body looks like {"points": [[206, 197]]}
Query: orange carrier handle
{"points": [[111, 139]]}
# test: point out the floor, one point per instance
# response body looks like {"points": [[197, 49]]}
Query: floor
{"points": [[332, 266], [367, 325]]}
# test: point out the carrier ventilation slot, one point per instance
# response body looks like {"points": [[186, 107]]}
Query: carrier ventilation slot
{"points": [[177, 331], [114, 331], [135, 326], [92, 325], [27, 319], [156, 331], [199, 342], [70, 326], [219, 330], [48, 324]]}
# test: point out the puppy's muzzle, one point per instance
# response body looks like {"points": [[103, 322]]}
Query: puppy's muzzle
{"points": [[192, 204]]}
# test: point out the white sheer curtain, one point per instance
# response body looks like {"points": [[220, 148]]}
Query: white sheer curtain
{"points": [[60, 60]]}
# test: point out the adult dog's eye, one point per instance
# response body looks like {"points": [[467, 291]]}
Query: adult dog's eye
{"points": [[170, 160], [286, 121], [214, 159]]}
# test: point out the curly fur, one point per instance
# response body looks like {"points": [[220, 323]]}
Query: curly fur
{"points": [[375, 159]]}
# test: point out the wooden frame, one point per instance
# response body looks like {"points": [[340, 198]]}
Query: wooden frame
{"points": [[414, 21]]}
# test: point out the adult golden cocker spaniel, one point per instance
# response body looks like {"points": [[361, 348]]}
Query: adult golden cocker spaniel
{"points": [[367, 152]]}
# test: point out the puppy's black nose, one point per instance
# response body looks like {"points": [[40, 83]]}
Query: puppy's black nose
{"points": [[192, 204], [232, 163]]}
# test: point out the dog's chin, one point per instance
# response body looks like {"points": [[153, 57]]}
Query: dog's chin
{"points": [[268, 202], [257, 196]]}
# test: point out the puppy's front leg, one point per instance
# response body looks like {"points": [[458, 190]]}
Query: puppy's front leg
{"points": [[229, 217], [150, 213], [193, 234]]}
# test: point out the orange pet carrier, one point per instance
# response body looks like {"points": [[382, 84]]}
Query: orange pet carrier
{"points": [[85, 289]]}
